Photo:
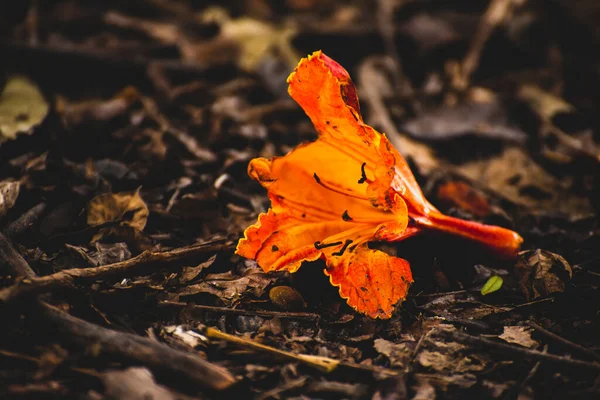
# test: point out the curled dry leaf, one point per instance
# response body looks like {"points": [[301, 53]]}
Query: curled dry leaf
{"points": [[542, 273], [22, 108], [9, 191], [127, 207], [329, 198]]}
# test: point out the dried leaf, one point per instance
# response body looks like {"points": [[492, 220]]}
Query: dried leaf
{"points": [[520, 335], [9, 191], [126, 207], [518, 178], [542, 273], [485, 118], [399, 354], [492, 285], [22, 108], [230, 289]]}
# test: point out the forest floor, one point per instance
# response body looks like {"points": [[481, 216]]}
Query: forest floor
{"points": [[126, 128]]}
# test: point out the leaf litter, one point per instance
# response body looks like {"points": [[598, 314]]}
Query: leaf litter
{"points": [[146, 116]]}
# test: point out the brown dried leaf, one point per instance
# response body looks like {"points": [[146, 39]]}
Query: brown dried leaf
{"points": [[541, 273], [229, 288], [518, 178], [399, 354], [520, 335], [127, 207]]}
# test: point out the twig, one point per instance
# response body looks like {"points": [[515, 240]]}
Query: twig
{"points": [[497, 11], [11, 259], [567, 343], [36, 285], [509, 350], [188, 141], [324, 364], [370, 86], [196, 308], [158, 356]]}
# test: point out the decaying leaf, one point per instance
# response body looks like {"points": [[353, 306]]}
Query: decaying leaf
{"points": [[127, 207], [399, 354], [329, 198], [518, 178], [448, 363], [520, 335], [542, 273], [492, 285], [9, 191], [255, 39], [483, 115], [22, 108], [228, 287]]}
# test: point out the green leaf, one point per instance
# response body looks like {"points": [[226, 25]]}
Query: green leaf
{"points": [[493, 284]]}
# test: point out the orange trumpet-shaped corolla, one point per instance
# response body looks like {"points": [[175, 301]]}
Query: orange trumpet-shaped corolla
{"points": [[329, 198]]}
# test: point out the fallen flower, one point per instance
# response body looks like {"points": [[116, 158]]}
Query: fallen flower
{"points": [[329, 198]]}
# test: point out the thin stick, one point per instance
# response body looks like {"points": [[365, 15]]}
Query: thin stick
{"points": [[66, 278], [12, 260], [497, 11], [567, 343], [324, 364], [509, 350], [195, 308]]}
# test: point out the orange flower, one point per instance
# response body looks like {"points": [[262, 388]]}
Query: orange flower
{"points": [[329, 198]]}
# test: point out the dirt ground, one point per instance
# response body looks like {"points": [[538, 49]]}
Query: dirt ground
{"points": [[126, 129]]}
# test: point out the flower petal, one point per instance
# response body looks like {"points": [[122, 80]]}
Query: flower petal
{"points": [[371, 281]]}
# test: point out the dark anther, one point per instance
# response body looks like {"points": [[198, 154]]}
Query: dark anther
{"points": [[346, 216], [343, 249], [363, 178], [274, 248], [317, 178], [319, 245]]}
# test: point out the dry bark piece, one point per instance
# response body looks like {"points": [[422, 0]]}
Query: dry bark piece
{"points": [[542, 273]]}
